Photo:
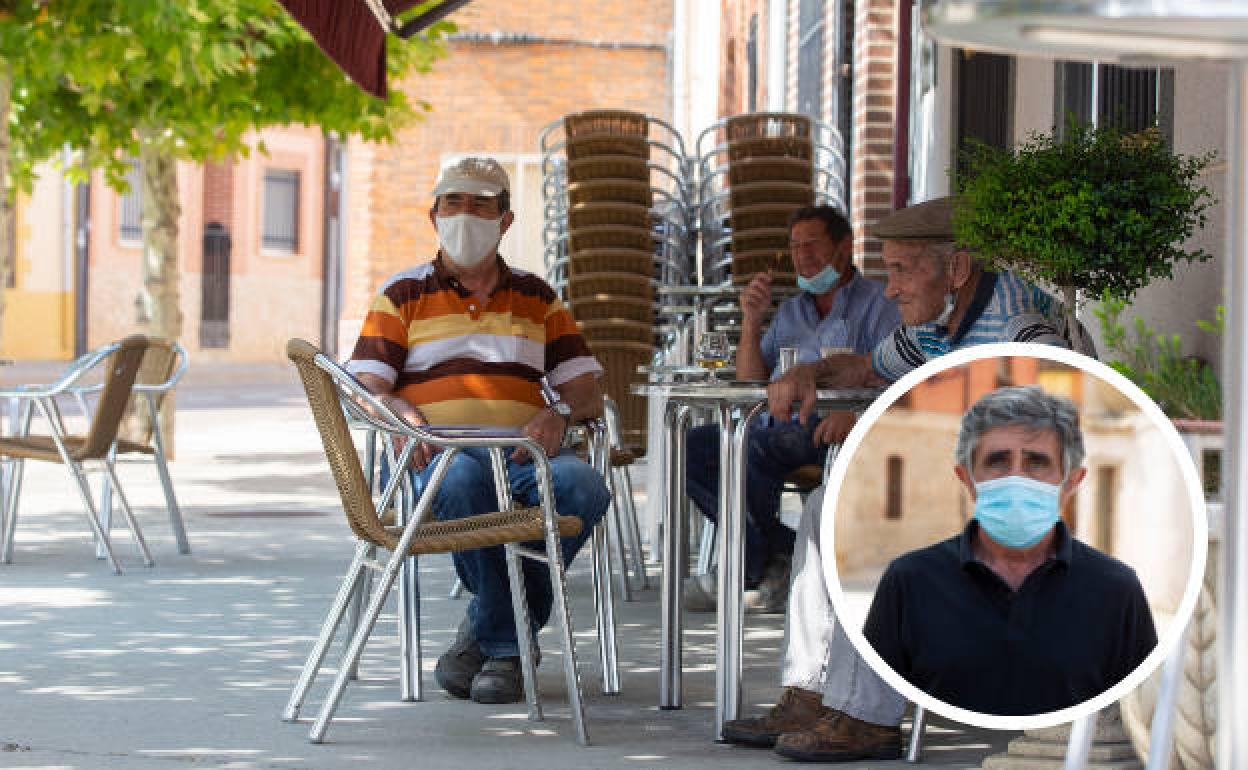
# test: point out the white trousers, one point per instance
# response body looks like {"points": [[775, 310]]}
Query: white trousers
{"points": [[818, 655]]}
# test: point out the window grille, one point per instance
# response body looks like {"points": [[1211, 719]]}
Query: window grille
{"points": [[810, 58], [281, 210], [130, 205]]}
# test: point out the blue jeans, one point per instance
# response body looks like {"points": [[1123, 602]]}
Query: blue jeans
{"points": [[468, 490], [772, 452]]}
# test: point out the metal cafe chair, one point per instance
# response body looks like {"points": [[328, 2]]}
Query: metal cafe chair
{"points": [[75, 452], [329, 388], [163, 366]]}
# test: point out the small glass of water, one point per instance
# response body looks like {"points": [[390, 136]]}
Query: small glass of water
{"points": [[713, 353]]}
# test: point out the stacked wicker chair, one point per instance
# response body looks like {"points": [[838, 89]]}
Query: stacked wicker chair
{"points": [[618, 223], [754, 171]]}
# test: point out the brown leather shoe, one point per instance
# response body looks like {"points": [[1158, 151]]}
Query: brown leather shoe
{"points": [[838, 737], [797, 710]]}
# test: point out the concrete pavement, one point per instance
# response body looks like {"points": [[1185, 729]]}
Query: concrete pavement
{"points": [[189, 663]]}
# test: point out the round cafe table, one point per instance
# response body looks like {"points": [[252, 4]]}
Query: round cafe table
{"points": [[734, 404]]}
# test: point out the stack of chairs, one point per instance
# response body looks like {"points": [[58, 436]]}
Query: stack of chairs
{"points": [[754, 171], [618, 223]]}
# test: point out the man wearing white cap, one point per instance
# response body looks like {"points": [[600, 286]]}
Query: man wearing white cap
{"points": [[466, 340]]}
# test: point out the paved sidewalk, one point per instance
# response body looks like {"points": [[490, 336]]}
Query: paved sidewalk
{"points": [[189, 664]]}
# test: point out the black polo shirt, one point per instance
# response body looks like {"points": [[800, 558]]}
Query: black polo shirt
{"points": [[953, 628]]}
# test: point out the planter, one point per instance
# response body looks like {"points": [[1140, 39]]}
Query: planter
{"points": [[1196, 710]]}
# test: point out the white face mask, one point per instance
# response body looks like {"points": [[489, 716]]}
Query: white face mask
{"points": [[468, 239]]}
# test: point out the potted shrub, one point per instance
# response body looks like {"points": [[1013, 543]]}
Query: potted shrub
{"points": [[1090, 209]]}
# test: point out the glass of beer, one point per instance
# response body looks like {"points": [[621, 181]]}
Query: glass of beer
{"points": [[713, 353]]}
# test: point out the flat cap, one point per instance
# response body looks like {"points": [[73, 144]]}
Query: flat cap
{"points": [[927, 221]]}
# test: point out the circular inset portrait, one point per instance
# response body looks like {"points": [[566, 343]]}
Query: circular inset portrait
{"points": [[1017, 537]]}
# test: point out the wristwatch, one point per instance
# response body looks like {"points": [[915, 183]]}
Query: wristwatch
{"points": [[563, 410]]}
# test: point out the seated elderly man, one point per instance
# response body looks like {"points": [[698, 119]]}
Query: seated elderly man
{"points": [[466, 340], [948, 618], [837, 308], [834, 707]]}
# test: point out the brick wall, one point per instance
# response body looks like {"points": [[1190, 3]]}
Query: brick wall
{"points": [[875, 56], [219, 193], [493, 94]]}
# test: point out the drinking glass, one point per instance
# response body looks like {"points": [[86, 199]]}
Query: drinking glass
{"points": [[713, 353]]}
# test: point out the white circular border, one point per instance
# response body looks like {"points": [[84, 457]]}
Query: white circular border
{"points": [[1200, 534]]}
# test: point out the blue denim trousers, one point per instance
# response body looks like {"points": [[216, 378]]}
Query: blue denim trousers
{"points": [[468, 490], [773, 451]]}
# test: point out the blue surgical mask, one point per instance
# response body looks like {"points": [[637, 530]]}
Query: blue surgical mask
{"points": [[1016, 511], [824, 280]]}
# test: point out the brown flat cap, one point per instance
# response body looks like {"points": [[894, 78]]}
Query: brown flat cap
{"points": [[927, 221]]}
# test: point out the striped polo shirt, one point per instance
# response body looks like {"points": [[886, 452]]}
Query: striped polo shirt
{"points": [[464, 363], [1005, 308]]}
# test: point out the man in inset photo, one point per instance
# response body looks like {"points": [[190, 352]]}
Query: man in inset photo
{"points": [[1013, 616]]}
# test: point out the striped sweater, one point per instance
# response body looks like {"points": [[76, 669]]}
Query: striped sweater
{"points": [[464, 363], [1005, 309]]}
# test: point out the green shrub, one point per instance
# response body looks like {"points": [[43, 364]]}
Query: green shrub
{"points": [[1184, 387], [1097, 210]]}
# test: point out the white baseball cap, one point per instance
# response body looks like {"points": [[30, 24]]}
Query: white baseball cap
{"points": [[474, 176]]}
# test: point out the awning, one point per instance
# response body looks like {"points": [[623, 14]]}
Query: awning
{"points": [[353, 32]]}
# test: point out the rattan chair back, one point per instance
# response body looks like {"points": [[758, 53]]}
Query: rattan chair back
{"points": [[621, 359], [162, 367], [616, 122], [344, 463], [123, 367], [767, 124], [771, 191]]}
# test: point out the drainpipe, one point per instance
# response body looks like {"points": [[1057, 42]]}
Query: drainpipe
{"points": [[67, 249], [901, 120]]}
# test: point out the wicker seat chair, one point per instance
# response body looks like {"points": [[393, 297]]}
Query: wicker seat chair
{"points": [[140, 435], [76, 452], [329, 389]]}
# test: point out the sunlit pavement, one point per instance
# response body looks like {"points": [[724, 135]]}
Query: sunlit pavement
{"points": [[189, 663]]}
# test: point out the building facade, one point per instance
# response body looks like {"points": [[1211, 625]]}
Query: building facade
{"points": [[252, 246]]}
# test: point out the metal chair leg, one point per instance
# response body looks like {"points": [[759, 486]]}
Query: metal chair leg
{"points": [[409, 632], [131, 520], [355, 609], [12, 495], [524, 635], [10, 470], [632, 527], [915, 749], [84, 490], [604, 608], [559, 585], [615, 552], [166, 483], [1082, 733], [706, 545], [106, 512], [1161, 734], [356, 648], [348, 590], [519, 597]]}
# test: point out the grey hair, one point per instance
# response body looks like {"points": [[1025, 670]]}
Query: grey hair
{"points": [[1030, 407], [940, 253]]}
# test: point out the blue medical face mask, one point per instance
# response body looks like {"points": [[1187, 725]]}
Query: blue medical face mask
{"points": [[1016, 511], [822, 281]]}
